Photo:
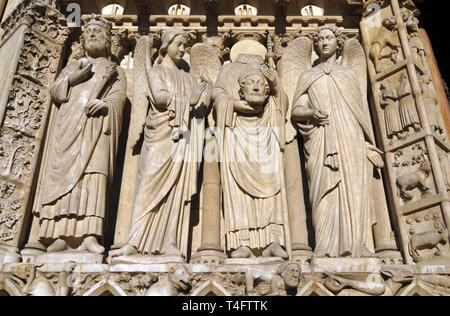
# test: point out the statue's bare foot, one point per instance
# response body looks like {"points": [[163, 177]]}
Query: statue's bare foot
{"points": [[172, 250], [127, 250], [91, 245], [242, 252], [58, 246], [366, 253], [275, 250]]}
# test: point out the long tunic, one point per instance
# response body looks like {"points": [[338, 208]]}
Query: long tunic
{"points": [[79, 165], [340, 197], [408, 110], [391, 113], [169, 165], [252, 169]]}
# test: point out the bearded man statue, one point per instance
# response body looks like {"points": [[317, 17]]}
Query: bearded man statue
{"points": [[254, 192], [90, 96]]}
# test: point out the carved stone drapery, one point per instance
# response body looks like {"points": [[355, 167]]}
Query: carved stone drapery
{"points": [[39, 36]]}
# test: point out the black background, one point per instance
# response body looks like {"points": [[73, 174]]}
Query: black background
{"points": [[435, 19]]}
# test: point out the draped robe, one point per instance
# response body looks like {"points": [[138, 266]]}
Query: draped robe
{"points": [[252, 168], [78, 167], [340, 197], [168, 166]]}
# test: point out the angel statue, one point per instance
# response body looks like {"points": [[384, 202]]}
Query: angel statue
{"points": [[250, 108], [170, 154], [330, 110]]}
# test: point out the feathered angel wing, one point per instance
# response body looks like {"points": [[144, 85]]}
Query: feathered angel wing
{"points": [[142, 65], [205, 65], [354, 57], [295, 60], [205, 61]]}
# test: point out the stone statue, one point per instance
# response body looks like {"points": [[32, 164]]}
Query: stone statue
{"points": [[408, 112], [174, 283], [414, 180], [251, 108], [386, 48], [431, 103], [412, 27], [330, 108], [284, 281], [90, 95], [389, 103], [170, 155]]}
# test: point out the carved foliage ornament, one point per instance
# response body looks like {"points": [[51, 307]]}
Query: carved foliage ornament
{"points": [[9, 206]]}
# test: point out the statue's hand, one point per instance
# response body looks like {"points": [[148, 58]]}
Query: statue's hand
{"points": [[374, 156], [82, 73], [197, 93], [320, 118], [95, 107], [270, 75], [242, 106]]}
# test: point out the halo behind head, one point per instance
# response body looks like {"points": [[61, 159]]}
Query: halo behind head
{"points": [[247, 47]]}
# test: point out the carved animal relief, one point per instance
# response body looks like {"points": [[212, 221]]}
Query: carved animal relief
{"points": [[428, 236]]}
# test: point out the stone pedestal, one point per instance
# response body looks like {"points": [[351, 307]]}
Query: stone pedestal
{"points": [[142, 259]]}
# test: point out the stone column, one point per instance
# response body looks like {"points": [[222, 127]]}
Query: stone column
{"points": [[210, 252], [296, 204], [32, 40]]}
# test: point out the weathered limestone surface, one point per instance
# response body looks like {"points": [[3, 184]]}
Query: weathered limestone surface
{"points": [[355, 202]]}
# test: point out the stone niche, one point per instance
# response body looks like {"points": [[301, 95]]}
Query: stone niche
{"points": [[410, 233]]}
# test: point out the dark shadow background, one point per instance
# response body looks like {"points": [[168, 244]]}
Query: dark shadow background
{"points": [[435, 19]]}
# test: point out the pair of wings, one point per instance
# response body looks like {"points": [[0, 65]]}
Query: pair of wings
{"points": [[297, 58], [204, 59]]}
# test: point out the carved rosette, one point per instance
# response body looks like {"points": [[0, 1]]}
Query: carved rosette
{"points": [[27, 109]]}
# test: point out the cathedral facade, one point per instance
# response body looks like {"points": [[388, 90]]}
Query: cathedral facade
{"points": [[229, 148]]}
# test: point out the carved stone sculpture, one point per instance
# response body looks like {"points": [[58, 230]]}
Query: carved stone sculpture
{"points": [[386, 48], [169, 162], [78, 166], [389, 102], [36, 283], [408, 112], [414, 180], [172, 284], [412, 27], [284, 281], [431, 103], [329, 109], [358, 285], [251, 108]]}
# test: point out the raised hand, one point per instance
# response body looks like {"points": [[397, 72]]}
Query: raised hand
{"points": [[205, 78], [197, 93], [82, 73], [95, 107], [270, 75]]}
